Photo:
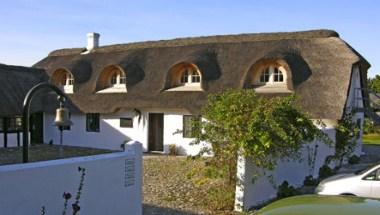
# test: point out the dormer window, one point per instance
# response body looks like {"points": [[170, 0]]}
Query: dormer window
{"points": [[184, 77], [64, 80], [264, 77], [117, 78], [67, 80], [270, 76], [190, 76], [278, 76], [112, 80]]}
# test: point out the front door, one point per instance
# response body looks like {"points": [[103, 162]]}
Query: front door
{"points": [[156, 132], [36, 128]]}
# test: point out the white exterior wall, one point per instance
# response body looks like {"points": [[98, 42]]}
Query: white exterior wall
{"points": [[249, 194], [12, 139], [111, 135], [354, 101], [173, 121], [112, 185]]}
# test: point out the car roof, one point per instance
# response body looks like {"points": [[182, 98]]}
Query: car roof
{"points": [[318, 204]]}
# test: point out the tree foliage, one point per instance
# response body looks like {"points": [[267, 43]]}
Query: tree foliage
{"points": [[261, 129], [374, 84], [347, 133]]}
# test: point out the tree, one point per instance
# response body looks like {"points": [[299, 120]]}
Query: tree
{"points": [[374, 84], [263, 130], [347, 132]]}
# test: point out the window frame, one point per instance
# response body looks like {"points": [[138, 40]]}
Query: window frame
{"points": [[190, 76], [13, 124], [271, 75], [117, 78], [92, 122], [265, 76], [128, 121], [277, 74], [186, 131]]}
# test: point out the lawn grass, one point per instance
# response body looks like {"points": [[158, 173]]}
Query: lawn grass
{"points": [[373, 139]]}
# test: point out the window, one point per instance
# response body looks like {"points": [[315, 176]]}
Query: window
{"points": [[67, 79], [278, 77], [373, 176], [185, 77], [92, 122], [15, 124], [12, 124], [271, 75], [195, 78], [264, 77], [188, 125], [126, 122], [117, 78], [190, 75]]}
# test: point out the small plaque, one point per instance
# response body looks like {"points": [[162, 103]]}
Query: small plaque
{"points": [[129, 172]]}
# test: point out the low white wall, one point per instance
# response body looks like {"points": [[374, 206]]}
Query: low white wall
{"points": [[249, 193], [112, 185]]}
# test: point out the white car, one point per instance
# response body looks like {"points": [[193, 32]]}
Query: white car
{"points": [[365, 183]]}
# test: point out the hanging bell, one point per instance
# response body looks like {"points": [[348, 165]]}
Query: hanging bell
{"points": [[62, 118]]}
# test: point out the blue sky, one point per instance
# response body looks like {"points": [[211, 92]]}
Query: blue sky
{"points": [[30, 29]]}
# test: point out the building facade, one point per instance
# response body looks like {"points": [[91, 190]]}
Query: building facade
{"points": [[148, 91]]}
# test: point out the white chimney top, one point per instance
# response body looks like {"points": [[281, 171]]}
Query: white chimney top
{"points": [[92, 41]]}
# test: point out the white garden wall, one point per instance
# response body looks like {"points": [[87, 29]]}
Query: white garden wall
{"points": [[251, 193], [112, 185]]}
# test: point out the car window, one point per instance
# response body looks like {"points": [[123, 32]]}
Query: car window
{"points": [[373, 176]]}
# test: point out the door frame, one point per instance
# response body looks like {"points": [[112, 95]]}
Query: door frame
{"points": [[150, 130]]}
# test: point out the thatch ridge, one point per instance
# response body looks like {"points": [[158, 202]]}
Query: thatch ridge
{"points": [[237, 38]]}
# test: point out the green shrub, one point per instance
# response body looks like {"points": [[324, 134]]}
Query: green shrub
{"points": [[310, 181], [220, 198], [354, 159], [368, 127], [325, 171], [286, 190]]}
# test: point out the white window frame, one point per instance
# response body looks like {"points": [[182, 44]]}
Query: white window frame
{"points": [[187, 75], [120, 78], [272, 73]]}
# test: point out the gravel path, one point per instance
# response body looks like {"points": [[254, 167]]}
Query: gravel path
{"points": [[168, 190]]}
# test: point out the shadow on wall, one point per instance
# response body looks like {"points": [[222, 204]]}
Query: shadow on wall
{"points": [[108, 138], [153, 209]]}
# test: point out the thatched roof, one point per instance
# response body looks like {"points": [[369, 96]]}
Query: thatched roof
{"points": [[15, 82], [320, 63]]}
